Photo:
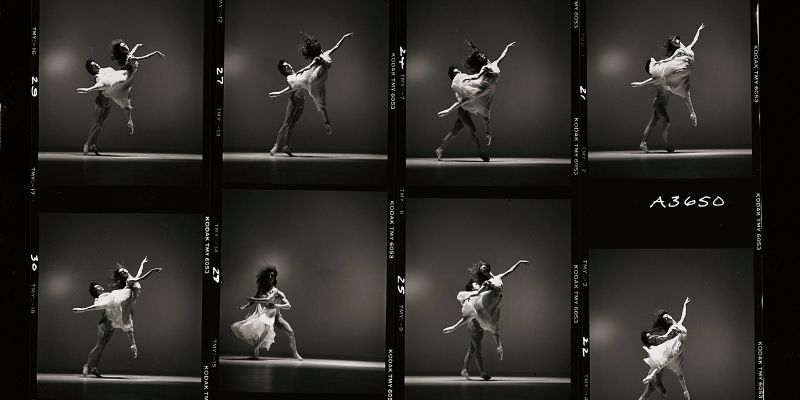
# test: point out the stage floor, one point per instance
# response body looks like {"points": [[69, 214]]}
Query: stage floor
{"points": [[287, 375], [682, 164], [245, 170], [117, 386], [500, 387], [500, 171], [119, 169]]}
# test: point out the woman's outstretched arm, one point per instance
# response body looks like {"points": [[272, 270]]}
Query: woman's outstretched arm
{"points": [[339, 43], [284, 91], [513, 267], [137, 279], [505, 51], [683, 313], [697, 35], [160, 54]]}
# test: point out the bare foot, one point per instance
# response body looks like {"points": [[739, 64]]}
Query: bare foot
{"points": [[693, 117], [297, 357], [465, 374], [287, 151], [134, 351], [130, 127], [500, 352], [643, 146], [328, 129], [94, 150], [273, 150], [488, 139], [439, 153], [85, 152]]}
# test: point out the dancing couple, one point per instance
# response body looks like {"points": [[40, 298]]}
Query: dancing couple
{"points": [[310, 78], [664, 344], [671, 74], [480, 311], [474, 94], [117, 311], [259, 326], [113, 85]]}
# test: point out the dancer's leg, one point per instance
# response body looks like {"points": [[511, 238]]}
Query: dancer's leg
{"points": [[488, 131], [660, 106], [496, 336], [650, 125], [659, 385], [297, 113], [132, 340], [463, 115], [283, 326], [102, 106], [104, 332], [293, 112], [476, 337], [457, 127], [129, 115], [257, 344], [688, 100]]}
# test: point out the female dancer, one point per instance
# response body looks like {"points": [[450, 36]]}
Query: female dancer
{"points": [[480, 310], [119, 304], [114, 85], [258, 328], [474, 94], [670, 74], [665, 351], [311, 78]]}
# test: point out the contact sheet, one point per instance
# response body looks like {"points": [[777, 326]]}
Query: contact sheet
{"points": [[392, 199]]}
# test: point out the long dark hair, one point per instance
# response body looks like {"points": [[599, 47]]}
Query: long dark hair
{"points": [[118, 53], [310, 46], [660, 323], [670, 46], [262, 281], [116, 279], [476, 58], [475, 273]]}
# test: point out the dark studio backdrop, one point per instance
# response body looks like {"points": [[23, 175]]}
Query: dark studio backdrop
{"points": [[531, 109], [445, 236], [260, 33], [77, 249], [628, 286], [329, 251], [166, 95], [622, 34]]}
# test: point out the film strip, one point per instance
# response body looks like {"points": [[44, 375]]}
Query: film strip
{"points": [[396, 277], [760, 351], [213, 96], [580, 356], [582, 214], [33, 161]]}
